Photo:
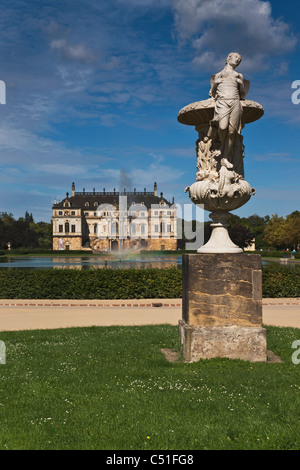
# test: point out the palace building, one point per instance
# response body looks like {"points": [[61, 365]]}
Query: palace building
{"points": [[111, 221]]}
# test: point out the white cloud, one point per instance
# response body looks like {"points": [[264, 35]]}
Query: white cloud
{"points": [[217, 27], [18, 140], [73, 52], [61, 169], [108, 119]]}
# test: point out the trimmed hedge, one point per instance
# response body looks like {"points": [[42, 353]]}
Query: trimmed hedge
{"points": [[104, 283], [281, 281], [149, 283]]}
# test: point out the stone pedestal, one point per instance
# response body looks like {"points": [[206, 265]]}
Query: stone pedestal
{"points": [[220, 241], [222, 307]]}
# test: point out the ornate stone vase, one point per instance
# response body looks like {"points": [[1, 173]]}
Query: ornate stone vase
{"points": [[220, 184]]}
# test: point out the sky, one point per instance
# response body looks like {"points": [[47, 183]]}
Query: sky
{"points": [[94, 87]]}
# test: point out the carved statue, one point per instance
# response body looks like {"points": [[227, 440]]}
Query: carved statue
{"points": [[227, 88], [220, 184]]}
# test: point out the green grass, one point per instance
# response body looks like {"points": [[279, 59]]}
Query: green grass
{"points": [[111, 388]]}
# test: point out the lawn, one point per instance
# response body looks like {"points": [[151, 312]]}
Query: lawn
{"points": [[111, 388]]}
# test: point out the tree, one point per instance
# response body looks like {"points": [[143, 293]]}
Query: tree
{"points": [[292, 229], [275, 232], [8, 219], [18, 232], [28, 217], [255, 224], [44, 233], [241, 236], [23, 235]]}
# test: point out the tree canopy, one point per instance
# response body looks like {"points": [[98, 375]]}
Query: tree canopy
{"points": [[24, 232], [283, 232]]}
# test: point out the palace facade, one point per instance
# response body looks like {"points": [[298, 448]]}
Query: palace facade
{"points": [[111, 221]]}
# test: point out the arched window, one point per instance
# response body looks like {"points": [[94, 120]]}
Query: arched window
{"points": [[132, 230], [114, 228], [67, 227]]}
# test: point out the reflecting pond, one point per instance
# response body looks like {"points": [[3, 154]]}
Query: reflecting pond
{"points": [[88, 262], [114, 262]]}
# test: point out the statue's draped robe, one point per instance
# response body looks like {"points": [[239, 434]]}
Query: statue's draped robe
{"points": [[228, 104]]}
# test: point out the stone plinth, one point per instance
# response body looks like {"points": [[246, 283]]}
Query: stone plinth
{"points": [[222, 307], [233, 342]]}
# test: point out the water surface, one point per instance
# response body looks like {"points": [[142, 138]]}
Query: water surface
{"points": [[88, 262], [114, 262]]}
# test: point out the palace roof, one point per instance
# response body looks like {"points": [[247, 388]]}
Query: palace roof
{"points": [[79, 200]]}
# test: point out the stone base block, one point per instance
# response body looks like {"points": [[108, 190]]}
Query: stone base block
{"points": [[233, 342], [222, 290]]}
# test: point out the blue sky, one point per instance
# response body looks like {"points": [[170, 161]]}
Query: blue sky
{"points": [[93, 89]]}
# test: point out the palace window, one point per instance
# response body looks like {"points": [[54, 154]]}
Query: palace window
{"points": [[73, 228], [114, 228], [67, 227], [132, 229], [60, 228]]}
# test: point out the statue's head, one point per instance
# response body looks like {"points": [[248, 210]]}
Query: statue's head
{"points": [[234, 59]]}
